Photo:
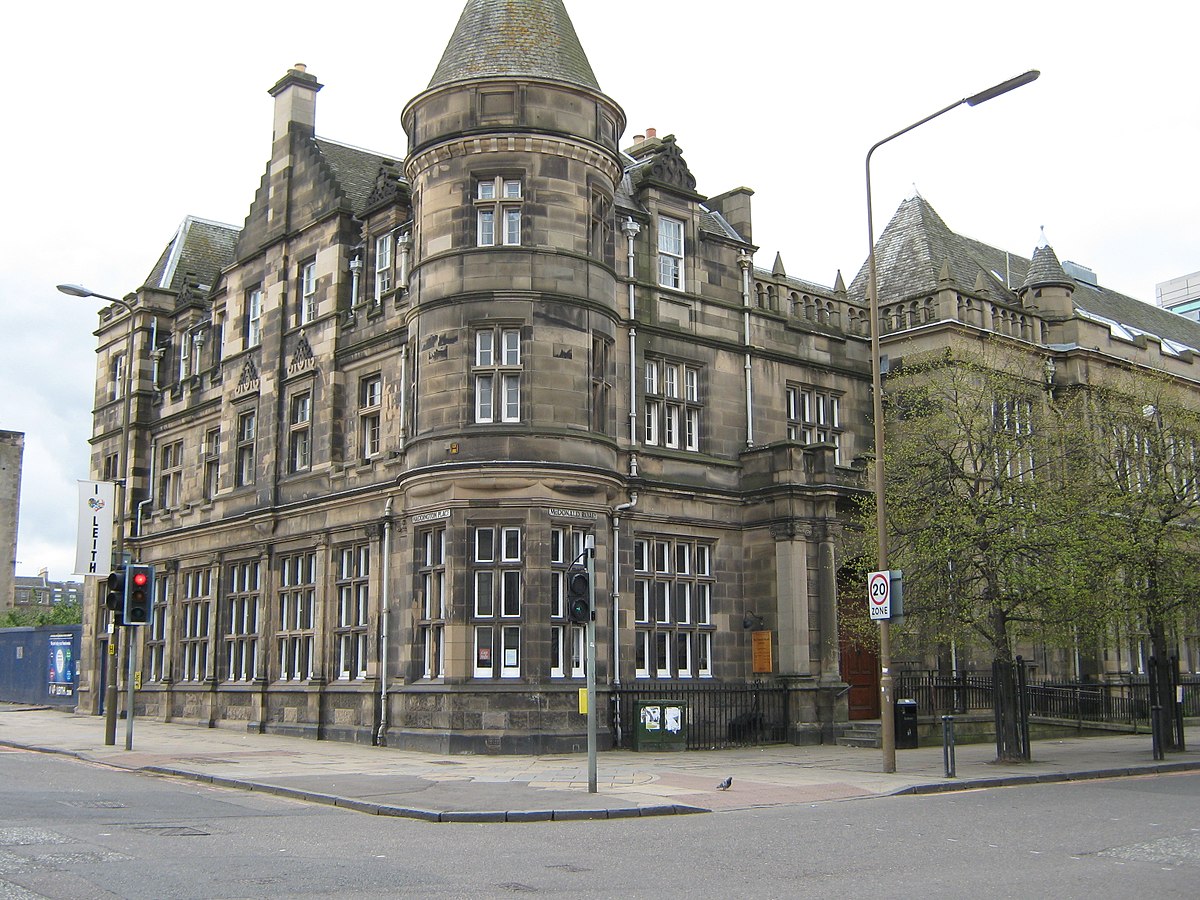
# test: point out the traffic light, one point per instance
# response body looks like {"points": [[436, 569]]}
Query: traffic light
{"points": [[579, 600], [139, 593], [114, 590]]}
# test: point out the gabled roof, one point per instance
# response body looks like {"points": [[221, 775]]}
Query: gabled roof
{"points": [[200, 248], [916, 244], [344, 179], [534, 38]]}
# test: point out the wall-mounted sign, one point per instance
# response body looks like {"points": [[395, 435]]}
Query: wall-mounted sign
{"points": [[760, 652], [431, 516], [571, 514]]}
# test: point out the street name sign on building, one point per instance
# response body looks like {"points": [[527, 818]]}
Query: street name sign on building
{"points": [[879, 595]]}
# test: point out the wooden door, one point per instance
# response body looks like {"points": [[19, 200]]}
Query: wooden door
{"points": [[860, 670]]}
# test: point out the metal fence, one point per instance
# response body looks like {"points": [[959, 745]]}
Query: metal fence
{"points": [[718, 714], [945, 694], [1125, 701]]}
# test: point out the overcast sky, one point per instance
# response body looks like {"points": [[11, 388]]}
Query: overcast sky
{"points": [[121, 118]]}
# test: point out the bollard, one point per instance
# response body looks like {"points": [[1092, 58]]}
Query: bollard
{"points": [[948, 745]]}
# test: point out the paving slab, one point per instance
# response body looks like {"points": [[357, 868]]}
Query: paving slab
{"points": [[484, 788]]}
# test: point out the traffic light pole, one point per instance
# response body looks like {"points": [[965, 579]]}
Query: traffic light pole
{"points": [[591, 664], [131, 658], [114, 634]]}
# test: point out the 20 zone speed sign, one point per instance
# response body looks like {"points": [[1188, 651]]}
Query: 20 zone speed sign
{"points": [[879, 595]]}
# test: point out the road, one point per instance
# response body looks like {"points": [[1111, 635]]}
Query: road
{"points": [[70, 829]]}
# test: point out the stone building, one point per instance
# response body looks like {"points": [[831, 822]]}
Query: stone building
{"points": [[940, 290], [32, 591], [12, 452], [374, 426]]}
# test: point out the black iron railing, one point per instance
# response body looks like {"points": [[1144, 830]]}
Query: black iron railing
{"points": [[718, 714], [945, 694], [1119, 701]]}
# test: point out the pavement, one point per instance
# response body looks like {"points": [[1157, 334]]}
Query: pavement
{"points": [[470, 788]]}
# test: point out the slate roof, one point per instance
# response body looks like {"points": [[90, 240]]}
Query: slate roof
{"points": [[916, 244], [712, 221], [200, 248], [532, 38], [1045, 270], [355, 170], [808, 287]]}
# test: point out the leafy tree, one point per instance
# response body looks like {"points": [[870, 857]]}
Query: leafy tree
{"points": [[1145, 467], [989, 531], [57, 614]]}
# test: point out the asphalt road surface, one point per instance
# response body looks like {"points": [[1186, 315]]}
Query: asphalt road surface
{"points": [[70, 829]]}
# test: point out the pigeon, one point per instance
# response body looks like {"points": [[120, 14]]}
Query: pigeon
{"points": [[725, 785]]}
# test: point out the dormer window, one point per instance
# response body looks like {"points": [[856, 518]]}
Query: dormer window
{"points": [[498, 212]]}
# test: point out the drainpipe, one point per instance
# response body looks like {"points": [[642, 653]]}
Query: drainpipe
{"points": [[744, 260], [384, 602], [150, 494], [401, 430], [616, 575], [631, 229], [404, 245], [156, 354], [616, 597]]}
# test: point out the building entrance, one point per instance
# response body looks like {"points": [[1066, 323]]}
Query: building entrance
{"points": [[860, 670]]}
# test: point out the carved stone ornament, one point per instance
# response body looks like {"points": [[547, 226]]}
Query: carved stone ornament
{"points": [[790, 529], [303, 358], [387, 183], [669, 166], [248, 381]]}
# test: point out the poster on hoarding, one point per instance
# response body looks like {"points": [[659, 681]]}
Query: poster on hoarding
{"points": [[62, 666]]}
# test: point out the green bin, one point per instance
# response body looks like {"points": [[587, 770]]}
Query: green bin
{"points": [[660, 725]]}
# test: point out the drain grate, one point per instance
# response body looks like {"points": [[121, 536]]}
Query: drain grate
{"points": [[94, 804], [173, 830]]}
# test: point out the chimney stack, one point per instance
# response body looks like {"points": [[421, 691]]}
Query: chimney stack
{"points": [[295, 101]]}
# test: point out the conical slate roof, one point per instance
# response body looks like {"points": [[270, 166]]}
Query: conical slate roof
{"points": [[1045, 269], [533, 38]]}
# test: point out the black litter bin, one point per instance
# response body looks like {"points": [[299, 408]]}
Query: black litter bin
{"points": [[906, 724]]}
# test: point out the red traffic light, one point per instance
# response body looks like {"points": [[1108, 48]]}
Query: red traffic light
{"points": [[140, 579]]}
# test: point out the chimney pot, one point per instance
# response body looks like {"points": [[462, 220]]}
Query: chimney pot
{"points": [[638, 138], [651, 133], [300, 67]]}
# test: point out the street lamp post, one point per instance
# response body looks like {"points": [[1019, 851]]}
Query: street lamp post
{"points": [[110, 688], [887, 704]]}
